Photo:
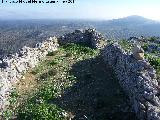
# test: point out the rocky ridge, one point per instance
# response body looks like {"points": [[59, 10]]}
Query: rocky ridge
{"points": [[136, 76]]}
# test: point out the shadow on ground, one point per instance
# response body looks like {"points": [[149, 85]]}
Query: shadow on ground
{"points": [[96, 95]]}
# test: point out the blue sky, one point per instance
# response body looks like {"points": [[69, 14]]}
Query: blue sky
{"points": [[82, 9]]}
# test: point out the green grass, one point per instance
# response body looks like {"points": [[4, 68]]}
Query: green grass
{"points": [[77, 49], [155, 62], [78, 69], [145, 46], [127, 46], [13, 104], [53, 77], [41, 111], [38, 108]]}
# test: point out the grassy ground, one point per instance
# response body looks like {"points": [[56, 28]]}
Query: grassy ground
{"points": [[71, 84]]}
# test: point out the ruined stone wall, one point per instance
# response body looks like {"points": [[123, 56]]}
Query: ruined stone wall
{"points": [[136, 76], [13, 67], [138, 79], [89, 36]]}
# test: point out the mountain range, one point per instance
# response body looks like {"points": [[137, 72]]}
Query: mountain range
{"points": [[124, 28]]}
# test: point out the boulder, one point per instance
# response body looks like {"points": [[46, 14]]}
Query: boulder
{"points": [[138, 52]]}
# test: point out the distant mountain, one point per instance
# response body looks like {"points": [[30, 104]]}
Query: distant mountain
{"points": [[129, 26], [134, 20], [14, 34]]}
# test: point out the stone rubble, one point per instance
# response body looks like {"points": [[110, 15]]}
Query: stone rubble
{"points": [[13, 67], [138, 79], [89, 37]]}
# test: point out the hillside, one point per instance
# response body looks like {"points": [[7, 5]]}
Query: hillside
{"points": [[15, 34], [70, 84], [124, 28], [81, 76]]}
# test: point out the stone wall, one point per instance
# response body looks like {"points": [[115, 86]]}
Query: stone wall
{"points": [[14, 66], [138, 79], [89, 37], [136, 76]]}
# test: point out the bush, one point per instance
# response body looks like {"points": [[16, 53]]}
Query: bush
{"points": [[154, 61], [78, 49], [145, 47], [152, 39]]}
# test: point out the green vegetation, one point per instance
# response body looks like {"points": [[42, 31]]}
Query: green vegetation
{"points": [[126, 45], [13, 104], [38, 108], [155, 62], [49, 76], [152, 39], [71, 83], [78, 49], [145, 46]]}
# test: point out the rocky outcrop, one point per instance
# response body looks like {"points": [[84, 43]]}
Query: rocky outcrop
{"points": [[13, 67], [138, 79], [89, 37]]}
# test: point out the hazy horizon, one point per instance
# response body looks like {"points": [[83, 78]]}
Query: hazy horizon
{"points": [[83, 10]]}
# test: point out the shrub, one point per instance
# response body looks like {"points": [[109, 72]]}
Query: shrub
{"points": [[78, 49], [152, 39], [145, 47], [154, 61]]}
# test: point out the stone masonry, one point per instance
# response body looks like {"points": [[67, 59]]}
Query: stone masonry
{"points": [[89, 37], [137, 78], [13, 67]]}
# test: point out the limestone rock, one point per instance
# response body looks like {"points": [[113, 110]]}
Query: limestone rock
{"points": [[12, 67], [138, 52], [137, 78], [89, 36]]}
